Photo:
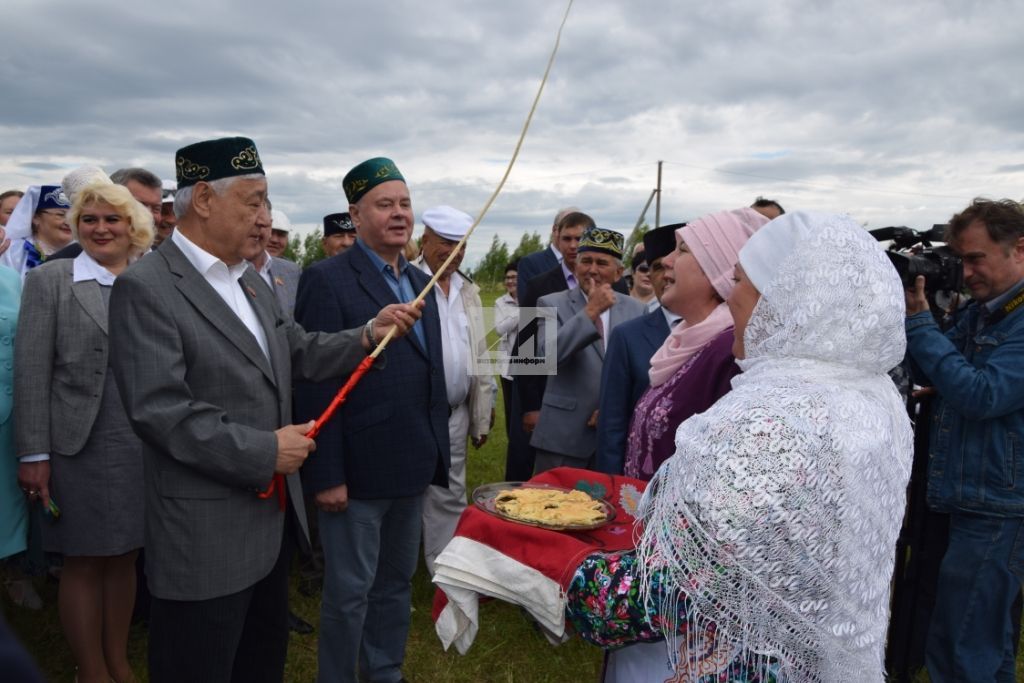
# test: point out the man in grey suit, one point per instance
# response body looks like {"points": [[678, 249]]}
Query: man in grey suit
{"points": [[281, 275], [565, 434], [204, 358]]}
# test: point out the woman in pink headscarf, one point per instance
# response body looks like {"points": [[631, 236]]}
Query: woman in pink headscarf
{"points": [[695, 365]]}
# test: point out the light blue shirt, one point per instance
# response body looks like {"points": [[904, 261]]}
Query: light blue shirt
{"points": [[400, 283]]}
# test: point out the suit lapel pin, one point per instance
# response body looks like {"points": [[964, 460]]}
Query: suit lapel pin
{"points": [[252, 292], [279, 281]]}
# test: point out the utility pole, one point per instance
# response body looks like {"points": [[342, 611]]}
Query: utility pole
{"points": [[657, 206]]}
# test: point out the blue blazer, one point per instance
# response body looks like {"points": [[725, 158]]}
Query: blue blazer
{"points": [[532, 265], [624, 379], [390, 438]]}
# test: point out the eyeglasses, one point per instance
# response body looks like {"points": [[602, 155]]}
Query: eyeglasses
{"points": [[643, 268]]}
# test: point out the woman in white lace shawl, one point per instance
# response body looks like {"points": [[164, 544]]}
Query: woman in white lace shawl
{"points": [[769, 537]]}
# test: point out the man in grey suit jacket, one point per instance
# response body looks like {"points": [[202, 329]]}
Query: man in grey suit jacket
{"points": [[204, 357], [281, 275], [565, 434]]}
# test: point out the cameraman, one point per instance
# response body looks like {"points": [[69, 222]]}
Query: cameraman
{"points": [[976, 458]]}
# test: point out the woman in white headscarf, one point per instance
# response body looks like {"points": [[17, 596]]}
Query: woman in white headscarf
{"points": [[37, 228], [768, 540]]}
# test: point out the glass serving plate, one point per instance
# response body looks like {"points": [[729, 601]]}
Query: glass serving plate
{"points": [[483, 498]]}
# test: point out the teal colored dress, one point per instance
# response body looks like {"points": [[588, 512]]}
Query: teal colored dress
{"points": [[13, 507]]}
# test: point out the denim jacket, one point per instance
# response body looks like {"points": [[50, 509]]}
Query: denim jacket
{"points": [[975, 459]]}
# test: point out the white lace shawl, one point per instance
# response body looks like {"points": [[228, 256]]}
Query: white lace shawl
{"points": [[778, 514]]}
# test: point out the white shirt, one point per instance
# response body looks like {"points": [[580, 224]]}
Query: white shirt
{"points": [[454, 337], [670, 317], [225, 281], [85, 267], [264, 270]]}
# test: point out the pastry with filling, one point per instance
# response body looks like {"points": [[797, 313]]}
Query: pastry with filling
{"points": [[550, 506]]}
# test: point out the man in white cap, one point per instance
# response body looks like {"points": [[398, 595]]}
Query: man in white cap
{"points": [[470, 395], [168, 221], [281, 275], [280, 226]]}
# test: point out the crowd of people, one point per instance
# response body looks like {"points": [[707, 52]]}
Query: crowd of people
{"points": [[165, 369]]}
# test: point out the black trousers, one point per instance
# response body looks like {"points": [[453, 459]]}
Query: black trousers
{"points": [[238, 637]]}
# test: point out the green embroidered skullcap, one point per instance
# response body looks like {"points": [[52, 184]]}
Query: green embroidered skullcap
{"points": [[603, 241], [369, 175], [215, 159]]}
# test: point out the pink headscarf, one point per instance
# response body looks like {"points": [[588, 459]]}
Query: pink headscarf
{"points": [[715, 241]]}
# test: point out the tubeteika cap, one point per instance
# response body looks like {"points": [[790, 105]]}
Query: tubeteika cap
{"points": [[660, 242], [336, 223], [603, 241], [215, 159], [368, 175]]}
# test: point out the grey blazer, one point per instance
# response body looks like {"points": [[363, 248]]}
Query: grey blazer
{"points": [[205, 400], [60, 360], [285, 275], [571, 395]]}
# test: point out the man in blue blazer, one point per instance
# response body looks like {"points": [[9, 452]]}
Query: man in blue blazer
{"points": [[532, 265], [624, 375], [386, 444]]}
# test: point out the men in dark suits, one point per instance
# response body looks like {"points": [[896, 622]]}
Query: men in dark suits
{"points": [[624, 376], [528, 389], [386, 445], [532, 265], [204, 358], [565, 433]]}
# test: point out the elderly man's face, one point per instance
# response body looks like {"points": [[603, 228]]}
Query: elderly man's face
{"points": [[594, 269], [383, 217], [436, 249], [277, 242], [236, 219], [338, 242], [149, 197]]}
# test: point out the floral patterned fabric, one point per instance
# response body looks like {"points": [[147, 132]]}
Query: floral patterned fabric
{"points": [[694, 388], [604, 606]]}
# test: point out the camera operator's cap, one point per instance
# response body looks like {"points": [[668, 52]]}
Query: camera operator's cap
{"points": [[368, 175], [447, 222], [215, 159], [765, 252], [660, 242], [336, 223], [603, 241], [279, 221]]}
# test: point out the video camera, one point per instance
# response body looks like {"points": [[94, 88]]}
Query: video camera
{"points": [[942, 269]]}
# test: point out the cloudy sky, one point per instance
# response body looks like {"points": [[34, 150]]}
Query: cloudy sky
{"points": [[895, 112]]}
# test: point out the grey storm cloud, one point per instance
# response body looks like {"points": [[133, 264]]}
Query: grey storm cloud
{"points": [[898, 113]]}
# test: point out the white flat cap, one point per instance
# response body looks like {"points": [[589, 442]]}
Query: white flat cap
{"points": [[447, 222], [279, 220]]}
